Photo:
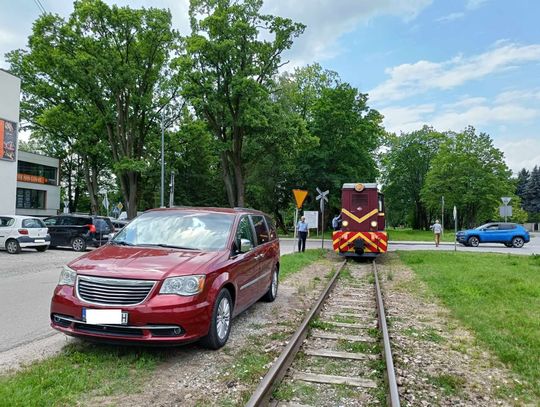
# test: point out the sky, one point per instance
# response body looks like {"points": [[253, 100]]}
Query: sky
{"points": [[444, 63]]}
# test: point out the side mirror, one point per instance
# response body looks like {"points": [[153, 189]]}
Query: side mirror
{"points": [[245, 245]]}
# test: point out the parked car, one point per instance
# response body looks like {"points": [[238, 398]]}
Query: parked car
{"points": [[18, 232], [510, 234], [170, 276], [79, 231], [118, 224]]}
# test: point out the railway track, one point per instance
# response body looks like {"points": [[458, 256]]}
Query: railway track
{"points": [[340, 354]]}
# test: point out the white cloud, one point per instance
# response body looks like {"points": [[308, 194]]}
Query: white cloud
{"points": [[451, 17], [328, 20], [531, 95], [475, 111], [474, 4], [410, 79], [520, 152]]}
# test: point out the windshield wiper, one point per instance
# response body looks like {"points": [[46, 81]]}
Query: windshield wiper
{"points": [[169, 246], [121, 242]]}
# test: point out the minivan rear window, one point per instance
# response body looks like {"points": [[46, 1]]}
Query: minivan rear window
{"points": [[260, 229]]}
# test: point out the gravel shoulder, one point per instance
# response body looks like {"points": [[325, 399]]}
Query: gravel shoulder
{"points": [[194, 376], [437, 360]]}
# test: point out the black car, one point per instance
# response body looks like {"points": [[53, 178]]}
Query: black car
{"points": [[79, 231]]}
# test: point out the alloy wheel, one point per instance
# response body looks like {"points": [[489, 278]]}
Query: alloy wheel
{"points": [[274, 284], [517, 242], [12, 247], [78, 244], [223, 319]]}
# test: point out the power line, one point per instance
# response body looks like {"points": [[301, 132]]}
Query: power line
{"points": [[40, 6]]}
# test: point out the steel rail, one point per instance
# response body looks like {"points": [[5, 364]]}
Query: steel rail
{"points": [[390, 372], [263, 392]]}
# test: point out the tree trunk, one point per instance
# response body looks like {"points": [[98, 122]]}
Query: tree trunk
{"points": [[227, 179], [91, 186], [133, 180]]}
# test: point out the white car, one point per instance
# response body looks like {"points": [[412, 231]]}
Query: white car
{"points": [[17, 232]]}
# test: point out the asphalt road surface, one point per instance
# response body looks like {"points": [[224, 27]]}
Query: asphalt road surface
{"points": [[27, 281]]}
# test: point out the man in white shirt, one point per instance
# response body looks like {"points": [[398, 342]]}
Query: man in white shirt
{"points": [[437, 230]]}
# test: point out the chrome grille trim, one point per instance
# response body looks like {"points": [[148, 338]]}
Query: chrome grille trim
{"points": [[113, 291]]}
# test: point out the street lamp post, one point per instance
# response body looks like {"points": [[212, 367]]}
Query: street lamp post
{"points": [[162, 159]]}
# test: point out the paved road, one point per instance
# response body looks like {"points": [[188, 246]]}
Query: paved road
{"points": [[27, 281]]}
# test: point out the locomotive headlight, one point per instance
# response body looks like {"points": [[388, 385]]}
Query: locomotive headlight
{"points": [[373, 223], [345, 223]]}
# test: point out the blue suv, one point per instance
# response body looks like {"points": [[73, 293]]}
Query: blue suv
{"points": [[510, 234]]}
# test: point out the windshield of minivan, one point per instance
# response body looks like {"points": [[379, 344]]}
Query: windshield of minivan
{"points": [[178, 229]]}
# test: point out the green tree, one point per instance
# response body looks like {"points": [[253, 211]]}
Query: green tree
{"points": [[471, 174], [349, 133], [227, 71], [112, 64], [405, 166], [531, 195]]}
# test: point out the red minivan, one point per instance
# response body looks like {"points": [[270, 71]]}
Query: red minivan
{"points": [[170, 276]]}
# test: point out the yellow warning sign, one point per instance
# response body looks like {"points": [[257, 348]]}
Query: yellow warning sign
{"points": [[299, 196]]}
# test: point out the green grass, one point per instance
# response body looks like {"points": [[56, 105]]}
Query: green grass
{"points": [[451, 384], [497, 296], [417, 235], [79, 369], [294, 262]]}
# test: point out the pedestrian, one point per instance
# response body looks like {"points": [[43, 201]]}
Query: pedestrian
{"points": [[437, 230], [303, 233], [336, 222]]}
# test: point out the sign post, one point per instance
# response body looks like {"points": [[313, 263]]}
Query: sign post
{"points": [[505, 210], [322, 197], [455, 228], [442, 215], [299, 197]]}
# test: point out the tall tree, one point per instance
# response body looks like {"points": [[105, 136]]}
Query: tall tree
{"points": [[521, 185], [532, 194], [227, 70], [113, 61], [471, 174], [406, 164]]}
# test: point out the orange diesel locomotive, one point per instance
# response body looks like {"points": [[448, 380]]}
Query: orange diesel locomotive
{"points": [[362, 222]]}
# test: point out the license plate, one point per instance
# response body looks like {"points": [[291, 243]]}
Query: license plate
{"points": [[104, 316], [39, 240]]}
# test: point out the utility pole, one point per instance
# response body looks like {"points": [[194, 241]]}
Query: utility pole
{"points": [[171, 193], [442, 214], [162, 159]]}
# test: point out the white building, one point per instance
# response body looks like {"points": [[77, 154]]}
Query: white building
{"points": [[10, 88], [38, 190]]}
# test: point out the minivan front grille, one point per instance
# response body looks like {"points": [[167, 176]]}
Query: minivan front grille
{"points": [[113, 291]]}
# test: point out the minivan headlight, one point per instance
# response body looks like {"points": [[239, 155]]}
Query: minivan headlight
{"points": [[67, 276], [185, 285]]}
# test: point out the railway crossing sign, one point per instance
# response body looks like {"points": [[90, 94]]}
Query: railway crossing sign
{"points": [[322, 197]]}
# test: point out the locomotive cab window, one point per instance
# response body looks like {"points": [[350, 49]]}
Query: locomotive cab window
{"points": [[381, 203], [359, 202]]}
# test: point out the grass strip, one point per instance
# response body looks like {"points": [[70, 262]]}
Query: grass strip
{"points": [[80, 369], [398, 235], [497, 296], [294, 262]]}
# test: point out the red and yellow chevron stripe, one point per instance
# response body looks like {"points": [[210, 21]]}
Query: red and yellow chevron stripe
{"points": [[374, 242]]}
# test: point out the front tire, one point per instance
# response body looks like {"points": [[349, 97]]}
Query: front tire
{"points": [[42, 248], [518, 242], [271, 294], [13, 247], [473, 241], [78, 244], [220, 326]]}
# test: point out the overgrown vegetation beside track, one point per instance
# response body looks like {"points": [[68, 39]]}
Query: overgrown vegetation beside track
{"points": [[80, 369], [496, 296], [294, 262]]}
